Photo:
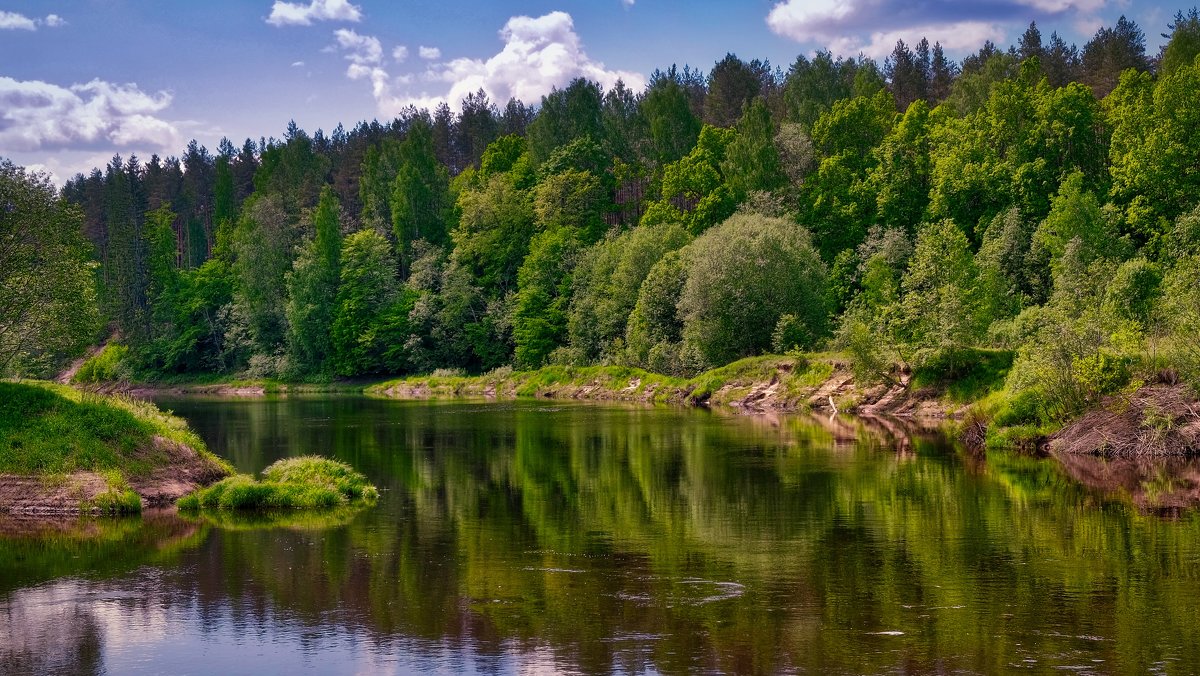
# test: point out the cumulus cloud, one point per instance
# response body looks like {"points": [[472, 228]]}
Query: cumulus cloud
{"points": [[361, 50], [873, 26], [539, 53], [429, 53], [36, 116], [14, 21], [399, 53], [300, 14], [627, 3]]}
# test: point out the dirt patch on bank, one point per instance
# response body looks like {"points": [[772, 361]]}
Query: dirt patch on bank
{"points": [[1155, 421], [184, 471]]}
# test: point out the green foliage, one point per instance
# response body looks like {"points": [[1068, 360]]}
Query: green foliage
{"points": [[312, 289], [839, 200], [900, 179], [673, 128], [1184, 45], [940, 298], [109, 365], [493, 232], [566, 115], [966, 376], [544, 280], [370, 322], [571, 199], [420, 202], [655, 330], [606, 283], [48, 303], [741, 278], [1154, 147], [751, 159], [694, 191], [308, 482], [1177, 316], [263, 242]]}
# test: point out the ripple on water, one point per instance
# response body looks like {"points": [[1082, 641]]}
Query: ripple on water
{"points": [[687, 592]]}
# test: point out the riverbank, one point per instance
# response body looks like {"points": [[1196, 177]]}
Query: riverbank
{"points": [[63, 450], [785, 384]]}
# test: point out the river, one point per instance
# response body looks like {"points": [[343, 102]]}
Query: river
{"points": [[534, 537]]}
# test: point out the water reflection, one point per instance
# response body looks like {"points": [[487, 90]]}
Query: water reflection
{"points": [[574, 538]]}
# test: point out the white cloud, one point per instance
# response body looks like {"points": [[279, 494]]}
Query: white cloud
{"points": [[297, 64], [873, 26], [36, 116], [1057, 6], [299, 14], [429, 53], [14, 21], [627, 3], [360, 49], [400, 53], [539, 53], [962, 36]]}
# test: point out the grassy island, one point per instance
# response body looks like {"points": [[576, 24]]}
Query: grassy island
{"points": [[307, 482]]}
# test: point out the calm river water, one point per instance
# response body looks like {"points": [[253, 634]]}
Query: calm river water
{"points": [[558, 538]]}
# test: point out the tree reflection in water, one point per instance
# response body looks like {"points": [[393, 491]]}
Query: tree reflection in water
{"points": [[590, 538]]}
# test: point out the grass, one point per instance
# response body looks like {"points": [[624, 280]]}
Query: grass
{"points": [[303, 483], [48, 429]]}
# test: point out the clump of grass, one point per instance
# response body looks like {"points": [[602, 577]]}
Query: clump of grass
{"points": [[308, 482]]}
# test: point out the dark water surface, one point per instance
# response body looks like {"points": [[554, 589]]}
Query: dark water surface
{"points": [[558, 538]]}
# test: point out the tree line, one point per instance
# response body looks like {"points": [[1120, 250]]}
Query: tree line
{"points": [[1040, 199]]}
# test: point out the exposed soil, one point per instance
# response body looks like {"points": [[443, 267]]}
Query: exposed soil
{"points": [[185, 471], [1155, 421]]}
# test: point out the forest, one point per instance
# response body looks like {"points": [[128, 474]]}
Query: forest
{"points": [[1041, 200]]}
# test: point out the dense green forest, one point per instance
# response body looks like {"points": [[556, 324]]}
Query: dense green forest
{"points": [[1041, 199]]}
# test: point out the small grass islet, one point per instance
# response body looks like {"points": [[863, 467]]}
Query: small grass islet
{"points": [[307, 482]]}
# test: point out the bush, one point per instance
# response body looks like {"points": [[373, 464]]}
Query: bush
{"points": [[742, 276], [108, 365]]}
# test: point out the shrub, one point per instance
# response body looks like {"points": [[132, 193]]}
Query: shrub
{"points": [[742, 276], [108, 365]]}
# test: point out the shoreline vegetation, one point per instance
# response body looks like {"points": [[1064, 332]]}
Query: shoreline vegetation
{"points": [[1153, 416], [66, 450]]}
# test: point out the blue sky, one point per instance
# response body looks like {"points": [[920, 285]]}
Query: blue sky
{"points": [[81, 80]]}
